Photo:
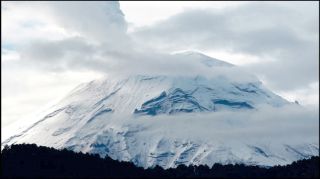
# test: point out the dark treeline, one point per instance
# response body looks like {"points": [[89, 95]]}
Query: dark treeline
{"points": [[30, 160]]}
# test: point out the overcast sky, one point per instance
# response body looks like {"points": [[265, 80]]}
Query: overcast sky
{"points": [[48, 48]]}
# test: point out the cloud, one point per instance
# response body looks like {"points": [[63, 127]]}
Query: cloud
{"points": [[56, 55], [307, 95], [283, 36], [98, 21], [278, 124], [67, 36]]}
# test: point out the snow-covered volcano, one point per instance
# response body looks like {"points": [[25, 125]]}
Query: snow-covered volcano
{"points": [[169, 120]]}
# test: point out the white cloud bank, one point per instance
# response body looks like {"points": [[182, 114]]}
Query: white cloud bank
{"points": [[285, 124]]}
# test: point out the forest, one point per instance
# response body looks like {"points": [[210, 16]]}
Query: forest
{"points": [[30, 160]]}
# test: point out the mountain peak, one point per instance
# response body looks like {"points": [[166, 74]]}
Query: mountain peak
{"points": [[204, 59]]}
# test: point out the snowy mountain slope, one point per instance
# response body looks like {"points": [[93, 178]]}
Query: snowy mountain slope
{"points": [[170, 120]]}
